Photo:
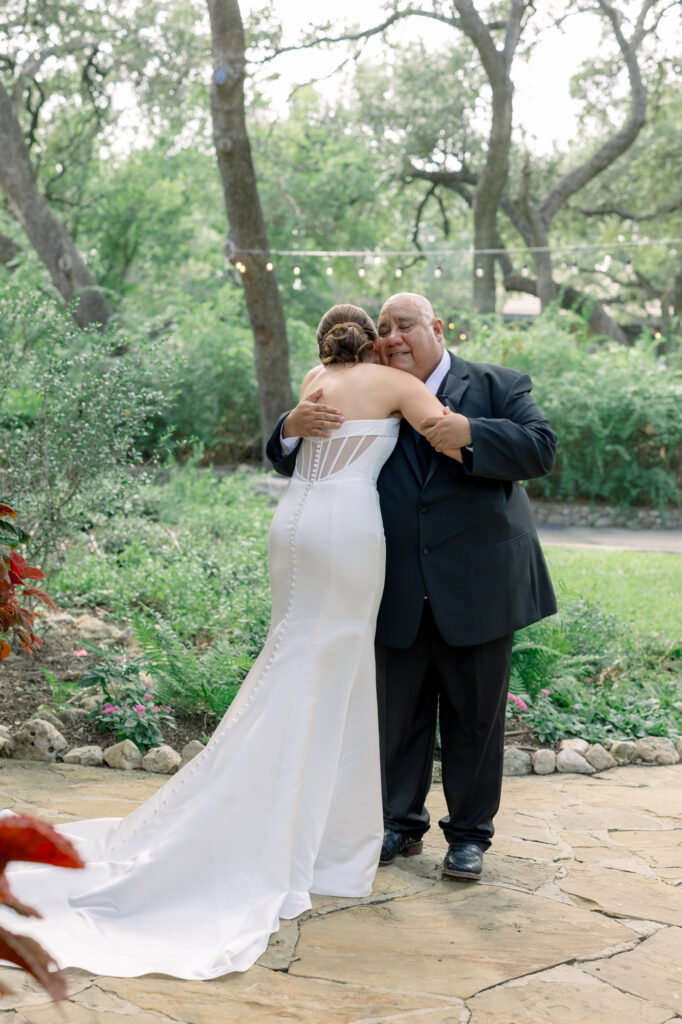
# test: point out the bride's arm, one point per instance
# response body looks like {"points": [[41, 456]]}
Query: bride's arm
{"points": [[417, 404]]}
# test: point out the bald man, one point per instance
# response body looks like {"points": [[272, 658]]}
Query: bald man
{"points": [[464, 570]]}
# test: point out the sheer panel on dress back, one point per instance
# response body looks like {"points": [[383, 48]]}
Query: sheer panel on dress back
{"points": [[318, 460]]}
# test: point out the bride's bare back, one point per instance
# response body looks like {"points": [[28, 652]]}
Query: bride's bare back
{"points": [[367, 391]]}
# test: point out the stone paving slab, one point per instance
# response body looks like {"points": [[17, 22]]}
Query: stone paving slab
{"points": [[577, 919]]}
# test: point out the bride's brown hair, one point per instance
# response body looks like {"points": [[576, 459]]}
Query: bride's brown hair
{"points": [[346, 334]]}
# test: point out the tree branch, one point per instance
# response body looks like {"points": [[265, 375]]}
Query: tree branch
{"points": [[614, 211], [361, 34], [623, 138]]}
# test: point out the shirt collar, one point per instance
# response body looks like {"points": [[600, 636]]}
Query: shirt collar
{"points": [[434, 382]]}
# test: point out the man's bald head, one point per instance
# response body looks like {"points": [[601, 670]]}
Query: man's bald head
{"points": [[410, 336], [419, 302]]}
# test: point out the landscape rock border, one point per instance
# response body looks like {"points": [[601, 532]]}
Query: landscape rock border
{"points": [[583, 758], [38, 739], [551, 513]]}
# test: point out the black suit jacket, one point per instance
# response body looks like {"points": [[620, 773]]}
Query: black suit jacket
{"points": [[463, 535]]}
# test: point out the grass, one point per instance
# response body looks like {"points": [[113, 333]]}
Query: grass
{"points": [[644, 589]]}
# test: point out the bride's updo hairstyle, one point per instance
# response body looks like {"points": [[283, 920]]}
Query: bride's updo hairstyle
{"points": [[346, 335]]}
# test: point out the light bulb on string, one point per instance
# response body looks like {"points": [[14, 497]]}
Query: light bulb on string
{"points": [[362, 270], [524, 270], [451, 326], [574, 268], [297, 271], [297, 284], [479, 270], [329, 271], [240, 267], [438, 272], [628, 266], [269, 266], [398, 271]]}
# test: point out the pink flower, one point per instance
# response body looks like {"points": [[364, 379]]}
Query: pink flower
{"points": [[148, 686], [118, 659], [521, 704], [107, 709], [149, 696], [140, 710], [156, 707], [545, 693], [80, 653]]}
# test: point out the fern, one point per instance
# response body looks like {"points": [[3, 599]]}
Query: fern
{"points": [[190, 682]]}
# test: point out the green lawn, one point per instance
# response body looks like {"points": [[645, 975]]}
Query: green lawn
{"points": [[642, 588]]}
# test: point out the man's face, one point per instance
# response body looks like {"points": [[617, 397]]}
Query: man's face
{"points": [[410, 337]]}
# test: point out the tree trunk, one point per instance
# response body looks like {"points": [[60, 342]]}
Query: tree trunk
{"points": [[247, 243], [493, 178], [47, 234]]}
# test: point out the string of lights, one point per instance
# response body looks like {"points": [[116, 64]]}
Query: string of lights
{"points": [[633, 242], [379, 258]]}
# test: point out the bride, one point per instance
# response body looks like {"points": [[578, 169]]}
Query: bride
{"points": [[285, 800]]}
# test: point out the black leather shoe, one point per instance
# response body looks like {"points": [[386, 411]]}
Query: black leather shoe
{"points": [[463, 860], [399, 844]]}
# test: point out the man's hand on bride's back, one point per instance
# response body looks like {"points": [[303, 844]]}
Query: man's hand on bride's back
{"points": [[310, 418]]}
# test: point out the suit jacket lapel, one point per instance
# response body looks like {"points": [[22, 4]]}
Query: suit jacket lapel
{"points": [[408, 443]]}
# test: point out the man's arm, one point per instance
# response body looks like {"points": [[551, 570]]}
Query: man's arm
{"points": [[312, 419], [283, 462], [514, 442], [308, 419]]}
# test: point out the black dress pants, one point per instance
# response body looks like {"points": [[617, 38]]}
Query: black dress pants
{"points": [[470, 685]]}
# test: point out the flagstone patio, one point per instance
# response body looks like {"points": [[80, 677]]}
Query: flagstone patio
{"points": [[577, 919]]}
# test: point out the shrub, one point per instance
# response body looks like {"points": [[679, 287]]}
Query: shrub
{"points": [[216, 396], [616, 410], [71, 414]]}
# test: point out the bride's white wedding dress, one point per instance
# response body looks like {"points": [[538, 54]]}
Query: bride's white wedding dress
{"points": [[285, 800]]}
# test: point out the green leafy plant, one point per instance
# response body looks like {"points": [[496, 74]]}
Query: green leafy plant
{"points": [[584, 673], [129, 707], [192, 683]]}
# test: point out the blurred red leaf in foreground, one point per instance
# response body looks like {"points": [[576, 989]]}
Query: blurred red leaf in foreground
{"points": [[23, 838]]}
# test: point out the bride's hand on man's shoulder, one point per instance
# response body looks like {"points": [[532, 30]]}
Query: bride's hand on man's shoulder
{"points": [[310, 418]]}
